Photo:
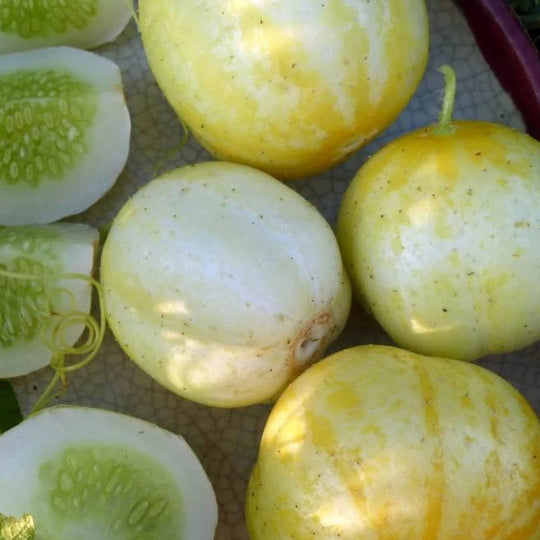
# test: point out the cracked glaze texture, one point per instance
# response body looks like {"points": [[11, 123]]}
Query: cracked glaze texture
{"points": [[226, 441]]}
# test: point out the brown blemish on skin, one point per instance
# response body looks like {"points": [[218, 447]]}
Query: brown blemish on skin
{"points": [[310, 343]]}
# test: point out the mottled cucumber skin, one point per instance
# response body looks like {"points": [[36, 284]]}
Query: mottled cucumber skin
{"points": [[377, 443], [289, 87], [44, 119], [80, 23], [27, 304], [111, 491], [64, 133], [90, 474], [440, 234]]}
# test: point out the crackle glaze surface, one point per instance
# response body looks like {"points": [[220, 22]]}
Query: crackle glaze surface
{"points": [[225, 440]]}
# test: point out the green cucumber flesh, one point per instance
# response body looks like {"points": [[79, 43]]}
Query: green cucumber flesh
{"points": [[32, 24], [64, 133], [89, 474], [27, 304]]}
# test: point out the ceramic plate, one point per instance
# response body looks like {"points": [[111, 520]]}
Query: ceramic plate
{"points": [[226, 441]]}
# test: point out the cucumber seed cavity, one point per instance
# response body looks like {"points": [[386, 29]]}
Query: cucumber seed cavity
{"points": [[44, 117], [64, 133], [34, 24], [25, 305], [115, 492], [44, 17]]}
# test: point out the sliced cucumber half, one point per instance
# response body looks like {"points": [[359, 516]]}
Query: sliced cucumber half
{"points": [[31, 24], [64, 133], [28, 304], [90, 474]]}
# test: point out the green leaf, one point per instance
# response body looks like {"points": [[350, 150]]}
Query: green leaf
{"points": [[12, 528], [531, 21], [528, 12], [524, 6], [10, 413]]}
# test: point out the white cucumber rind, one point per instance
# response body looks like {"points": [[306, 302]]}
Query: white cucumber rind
{"points": [[45, 435], [75, 246], [110, 20], [108, 141]]}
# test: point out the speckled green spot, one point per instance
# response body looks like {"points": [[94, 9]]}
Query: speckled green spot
{"points": [[31, 18], [109, 491], [44, 116]]}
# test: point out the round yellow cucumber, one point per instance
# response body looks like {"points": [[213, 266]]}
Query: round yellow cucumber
{"points": [[290, 87], [378, 443]]}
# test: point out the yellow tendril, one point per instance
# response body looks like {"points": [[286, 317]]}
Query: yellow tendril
{"points": [[54, 331], [131, 6], [160, 165]]}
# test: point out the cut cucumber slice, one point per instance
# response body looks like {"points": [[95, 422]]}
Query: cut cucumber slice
{"points": [[31, 24], [27, 304], [64, 133], [90, 474]]}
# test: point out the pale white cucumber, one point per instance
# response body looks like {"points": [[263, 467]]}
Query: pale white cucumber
{"points": [[91, 474], [27, 305], [31, 24], [64, 133], [223, 283]]}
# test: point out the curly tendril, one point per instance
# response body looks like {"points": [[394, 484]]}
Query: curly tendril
{"points": [[133, 10], [160, 165], [55, 329]]}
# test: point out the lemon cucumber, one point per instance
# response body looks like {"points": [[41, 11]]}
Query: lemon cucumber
{"points": [[377, 442], [223, 283], [291, 87]]}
